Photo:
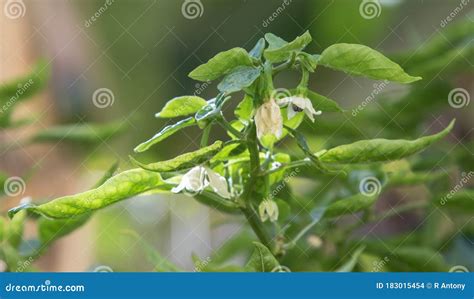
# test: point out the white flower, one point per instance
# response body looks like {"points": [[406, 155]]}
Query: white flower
{"points": [[198, 178], [268, 120], [268, 209], [297, 104]]}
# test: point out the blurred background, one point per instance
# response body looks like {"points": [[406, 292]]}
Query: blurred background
{"points": [[119, 61]]}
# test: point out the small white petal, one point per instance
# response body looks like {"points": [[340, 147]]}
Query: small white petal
{"points": [[192, 181], [218, 183], [268, 120], [284, 101]]}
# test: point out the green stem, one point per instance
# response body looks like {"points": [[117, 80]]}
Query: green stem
{"points": [[205, 135], [229, 128], [248, 210]]}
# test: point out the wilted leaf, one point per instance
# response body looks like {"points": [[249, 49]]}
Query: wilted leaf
{"points": [[182, 106], [183, 161], [164, 133], [262, 260], [376, 150], [279, 51], [122, 186], [221, 64], [363, 61], [238, 79]]}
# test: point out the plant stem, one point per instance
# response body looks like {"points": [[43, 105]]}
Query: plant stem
{"points": [[248, 210], [229, 128], [205, 135]]}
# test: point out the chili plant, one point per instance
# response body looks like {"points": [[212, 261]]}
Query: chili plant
{"points": [[248, 173]]}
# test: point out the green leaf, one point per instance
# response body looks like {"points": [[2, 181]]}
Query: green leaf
{"points": [[229, 151], [278, 51], [351, 263], [274, 42], [79, 133], [320, 102], [261, 260], [240, 78], [122, 186], [183, 161], [49, 230], [221, 64], [244, 110], [160, 264], [165, 133], [211, 111], [257, 50], [376, 150], [350, 205], [181, 106], [363, 61], [14, 231]]}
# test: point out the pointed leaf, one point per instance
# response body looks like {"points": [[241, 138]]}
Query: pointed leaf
{"points": [[262, 260], [183, 161], [122, 186], [257, 50], [274, 42], [181, 106], [376, 150], [283, 52], [361, 60], [221, 64], [238, 79], [165, 133]]}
